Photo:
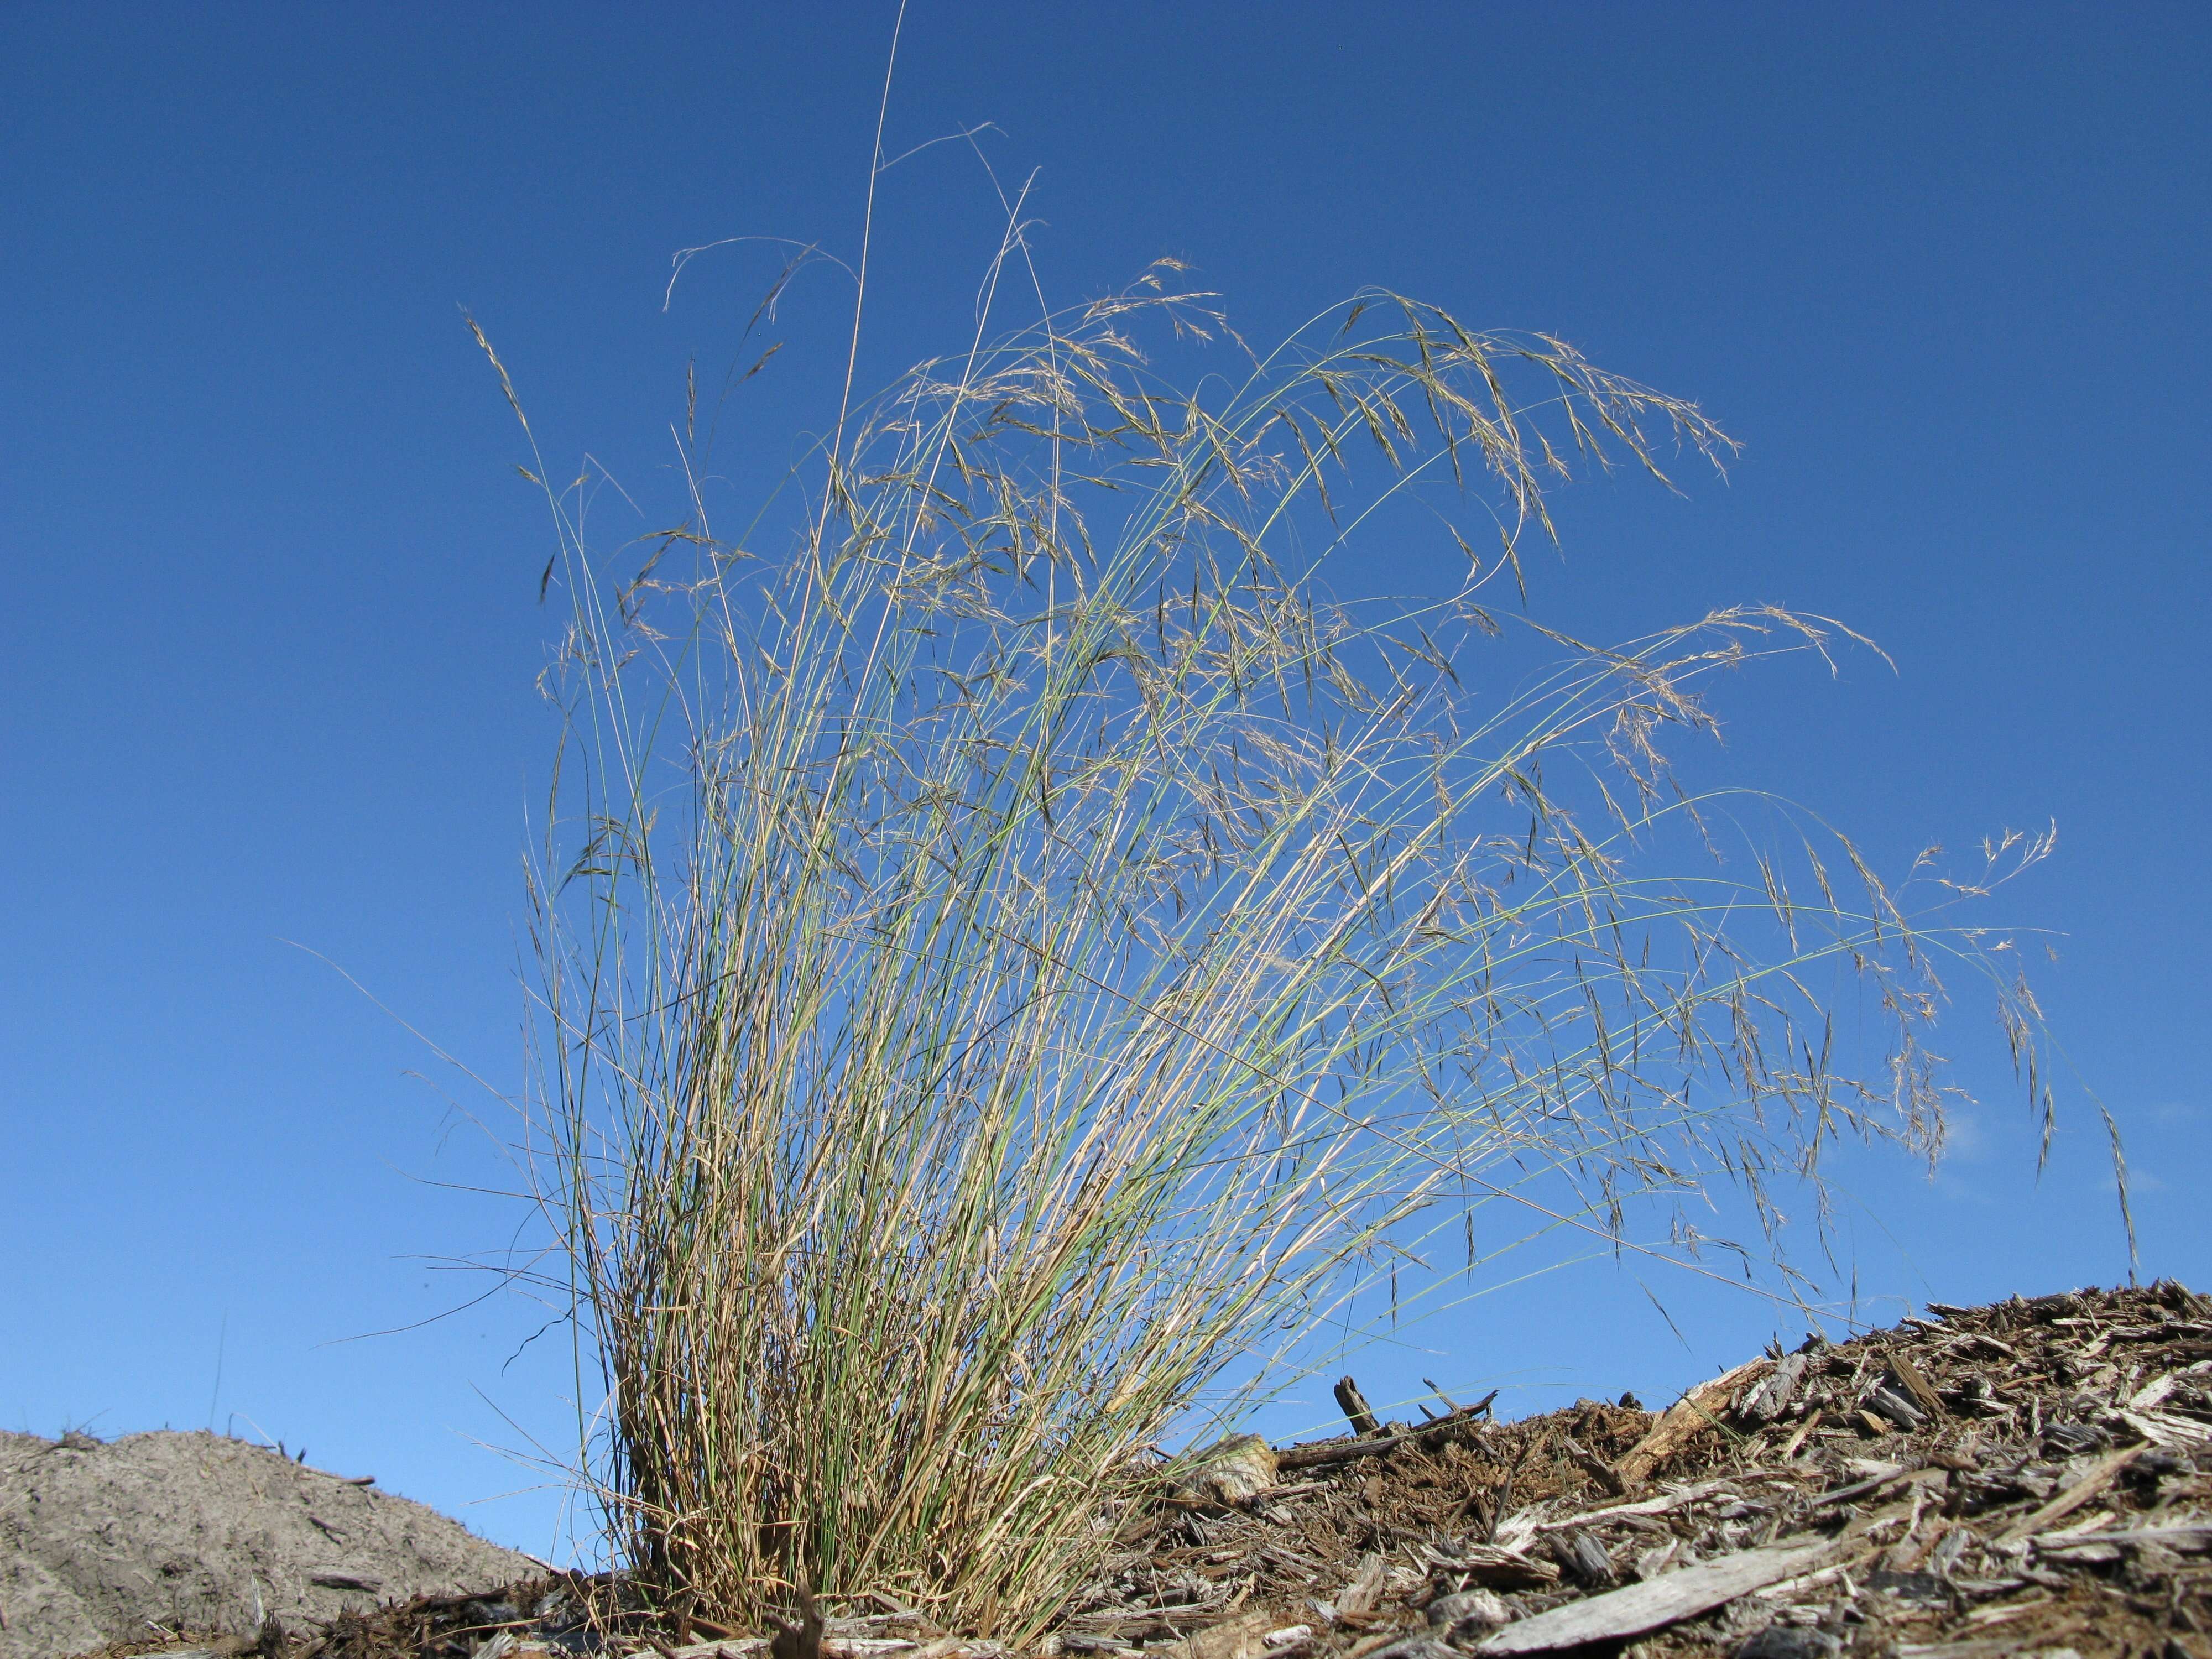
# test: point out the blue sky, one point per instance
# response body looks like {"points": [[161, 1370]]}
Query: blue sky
{"points": [[273, 626]]}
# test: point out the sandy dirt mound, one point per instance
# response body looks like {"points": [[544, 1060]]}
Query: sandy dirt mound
{"points": [[97, 1539]]}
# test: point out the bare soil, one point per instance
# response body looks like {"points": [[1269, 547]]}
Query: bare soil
{"points": [[196, 1531]]}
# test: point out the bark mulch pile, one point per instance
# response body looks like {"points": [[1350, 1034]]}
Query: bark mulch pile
{"points": [[2034, 1477]]}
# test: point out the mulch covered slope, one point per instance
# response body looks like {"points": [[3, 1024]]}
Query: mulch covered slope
{"points": [[2031, 1477]]}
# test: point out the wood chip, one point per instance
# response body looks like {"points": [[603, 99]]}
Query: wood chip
{"points": [[1762, 1404], [2164, 1429], [1242, 1636], [1490, 1567], [1365, 1589], [1915, 1385]]}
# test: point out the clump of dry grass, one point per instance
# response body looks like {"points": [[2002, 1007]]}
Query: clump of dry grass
{"points": [[1017, 956]]}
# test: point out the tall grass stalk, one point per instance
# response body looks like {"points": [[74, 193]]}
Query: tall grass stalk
{"points": [[1020, 952]]}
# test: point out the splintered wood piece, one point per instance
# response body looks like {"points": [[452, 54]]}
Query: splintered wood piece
{"points": [[1493, 1567], [1880, 1476], [1893, 1407], [1763, 1404], [2164, 1429], [1666, 1600], [1582, 1556], [1674, 1500], [2154, 1392], [1356, 1411], [2099, 1477], [1238, 1637], [1365, 1589], [1804, 1432], [1698, 1409]]}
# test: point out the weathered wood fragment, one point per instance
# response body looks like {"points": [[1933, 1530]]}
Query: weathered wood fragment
{"points": [[1698, 1409], [1356, 1411], [2088, 1486], [1666, 1600], [1672, 1500], [1365, 1589], [1764, 1403], [1494, 1566], [1321, 1454], [1582, 1556], [1916, 1387], [2195, 1537], [1233, 1470], [1238, 1637]]}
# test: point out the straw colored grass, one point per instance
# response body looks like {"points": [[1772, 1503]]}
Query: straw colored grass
{"points": [[1021, 948]]}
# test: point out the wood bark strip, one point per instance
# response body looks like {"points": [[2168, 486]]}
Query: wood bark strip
{"points": [[1674, 1500], [1666, 1600], [2199, 1535]]}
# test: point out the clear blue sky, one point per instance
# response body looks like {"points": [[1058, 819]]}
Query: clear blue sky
{"points": [[271, 625]]}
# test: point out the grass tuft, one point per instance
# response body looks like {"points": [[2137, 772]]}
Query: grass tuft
{"points": [[1021, 954]]}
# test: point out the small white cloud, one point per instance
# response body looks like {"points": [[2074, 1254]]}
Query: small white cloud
{"points": [[2139, 1181], [1954, 1190], [1966, 1138]]}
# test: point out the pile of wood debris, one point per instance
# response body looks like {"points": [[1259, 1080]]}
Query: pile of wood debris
{"points": [[2031, 1477], [2013, 1478]]}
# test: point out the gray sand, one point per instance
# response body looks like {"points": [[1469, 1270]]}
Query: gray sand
{"points": [[97, 1539]]}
